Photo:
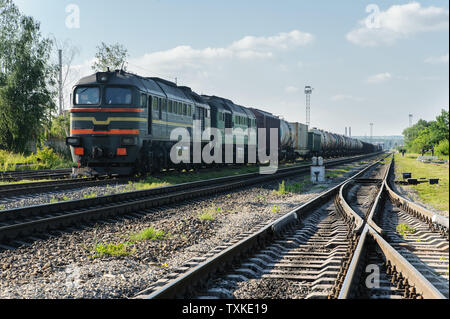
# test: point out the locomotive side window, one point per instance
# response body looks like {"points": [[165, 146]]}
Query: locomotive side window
{"points": [[150, 114], [118, 96], [87, 96], [156, 107], [159, 107], [169, 109], [143, 101]]}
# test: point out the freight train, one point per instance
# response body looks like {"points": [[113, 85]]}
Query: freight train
{"points": [[120, 124]]}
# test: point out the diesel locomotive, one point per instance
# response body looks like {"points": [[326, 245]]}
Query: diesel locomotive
{"points": [[120, 124]]}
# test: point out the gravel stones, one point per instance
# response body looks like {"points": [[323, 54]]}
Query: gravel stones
{"points": [[63, 266]]}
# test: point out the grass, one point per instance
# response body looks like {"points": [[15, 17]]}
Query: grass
{"points": [[296, 188], [173, 178], [44, 158], [148, 234], [210, 213], [336, 172], [115, 250], [126, 248], [404, 230], [435, 195]]}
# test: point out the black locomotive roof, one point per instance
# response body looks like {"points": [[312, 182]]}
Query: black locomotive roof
{"points": [[194, 96], [263, 113], [124, 78], [172, 90], [235, 109], [247, 112], [153, 85], [216, 102]]}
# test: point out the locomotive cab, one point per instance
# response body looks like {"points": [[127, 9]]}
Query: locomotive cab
{"points": [[106, 117]]}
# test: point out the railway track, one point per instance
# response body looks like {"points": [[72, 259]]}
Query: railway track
{"points": [[323, 249], [419, 236], [28, 221], [56, 185], [13, 176]]}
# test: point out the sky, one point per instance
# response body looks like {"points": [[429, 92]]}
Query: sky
{"points": [[368, 61]]}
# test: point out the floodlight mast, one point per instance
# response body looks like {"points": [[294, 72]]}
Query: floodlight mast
{"points": [[308, 92]]}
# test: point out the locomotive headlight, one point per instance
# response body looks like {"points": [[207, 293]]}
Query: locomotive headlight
{"points": [[73, 141], [128, 141]]}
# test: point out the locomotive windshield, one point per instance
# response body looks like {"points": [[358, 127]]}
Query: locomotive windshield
{"points": [[115, 95], [87, 96]]}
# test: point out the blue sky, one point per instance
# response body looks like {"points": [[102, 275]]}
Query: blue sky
{"points": [[263, 53]]}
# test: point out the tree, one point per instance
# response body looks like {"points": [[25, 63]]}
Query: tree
{"points": [[110, 56], [439, 128], [411, 133], [427, 135], [69, 74], [27, 87]]}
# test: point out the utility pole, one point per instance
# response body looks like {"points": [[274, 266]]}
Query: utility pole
{"points": [[308, 92], [410, 120], [60, 83], [371, 132]]}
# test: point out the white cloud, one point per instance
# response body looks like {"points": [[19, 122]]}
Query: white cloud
{"points": [[378, 78], [438, 60], [185, 57], [280, 41], [399, 21], [291, 89], [197, 65], [346, 97], [248, 48]]}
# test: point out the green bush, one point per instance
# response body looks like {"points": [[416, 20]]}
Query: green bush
{"points": [[9, 161], [442, 148], [45, 157]]}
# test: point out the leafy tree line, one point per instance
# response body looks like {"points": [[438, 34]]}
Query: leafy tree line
{"points": [[27, 80], [429, 135]]}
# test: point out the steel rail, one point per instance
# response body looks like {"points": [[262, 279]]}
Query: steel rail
{"points": [[415, 209], [183, 283], [27, 220], [32, 175], [58, 185], [410, 275]]}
